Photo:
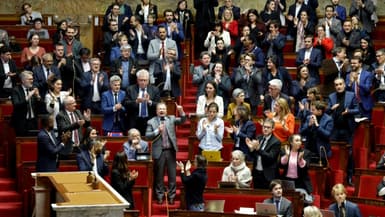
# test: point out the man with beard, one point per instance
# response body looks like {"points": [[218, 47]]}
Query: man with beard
{"points": [[139, 38], [174, 30], [72, 45], [110, 39], [359, 81], [348, 38], [66, 67]]}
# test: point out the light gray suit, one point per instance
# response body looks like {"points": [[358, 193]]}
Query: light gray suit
{"points": [[335, 28], [285, 206], [153, 53], [164, 157]]}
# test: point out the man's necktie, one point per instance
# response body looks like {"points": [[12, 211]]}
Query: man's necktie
{"points": [[116, 116], [163, 51], [277, 205], [75, 131], [357, 91], [342, 210], [29, 107], [165, 143], [143, 106]]}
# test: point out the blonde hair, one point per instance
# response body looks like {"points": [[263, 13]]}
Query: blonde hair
{"points": [[285, 109], [338, 188], [311, 211]]}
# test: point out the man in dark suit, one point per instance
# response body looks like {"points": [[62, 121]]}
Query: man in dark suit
{"points": [[174, 30], [348, 38], [360, 81], [125, 8], [311, 57], [167, 73], [48, 147], [161, 130], [274, 42], [125, 67], [283, 205], [343, 207], [274, 93], [139, 38], [229, 5], [264, 150], [112, 108], [72, 120], [25, 100], [294, 13], [333, 68], [94, 83], [141, 100], [201, 72], [43, 72], [8, 72], [317, 130], [342, 107], [82, 65]]}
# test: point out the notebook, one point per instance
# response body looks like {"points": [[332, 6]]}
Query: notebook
{"points": [[215, 205], [212, 155], [327, 213], [267, 209]]}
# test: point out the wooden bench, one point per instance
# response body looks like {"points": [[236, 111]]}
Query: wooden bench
{"points": [[20, 32], [236, 198]]}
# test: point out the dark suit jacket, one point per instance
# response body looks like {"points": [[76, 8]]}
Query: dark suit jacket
{"points": [[269, 157], [89, 89], [152, 133], [127, 10], [117, 65], [133, 40], [123, 186], [205, 14], [133, 107], [247, 130], [254, 86], [291, 30], [322, 134], [352, 210], [3, 77], [314, 63], [107, 109], [85, 163], [303, 179], [282, 75], [39, 79], [286, 207], [276, 45], [160, 77], [47, 152], [268, 99], [350, 104], [365, 86], [177, 37], [64, 124], [20, 107], [187, 21], [153, 9]]}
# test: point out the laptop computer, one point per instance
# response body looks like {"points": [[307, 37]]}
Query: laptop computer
{"points": [[267, 209], [212, 155], [327, 213], [215, 205]]}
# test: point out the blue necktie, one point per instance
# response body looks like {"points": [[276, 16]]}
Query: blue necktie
{"points": [[143, 107], [125, 75]]}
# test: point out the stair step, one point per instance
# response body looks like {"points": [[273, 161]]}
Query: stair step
{"points": [[9, 196], [182, 156], [7, 184], [4, 172], [13, 209]]}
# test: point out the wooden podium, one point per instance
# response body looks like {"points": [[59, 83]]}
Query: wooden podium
{"points": [[69, 195]]}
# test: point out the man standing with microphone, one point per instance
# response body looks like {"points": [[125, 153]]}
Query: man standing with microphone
{"points": [[161, 129]]}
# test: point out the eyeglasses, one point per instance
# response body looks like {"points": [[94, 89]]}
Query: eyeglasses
{"points": [[267, 127]]}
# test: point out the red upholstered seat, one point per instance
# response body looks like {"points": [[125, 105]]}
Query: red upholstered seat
{"points": [[214, 174], [368, 185], [371, 210]]}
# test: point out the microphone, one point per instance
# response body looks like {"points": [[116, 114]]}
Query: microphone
{"points": [[162, 119]]}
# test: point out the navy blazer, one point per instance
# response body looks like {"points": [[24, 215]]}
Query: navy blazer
{"points": [[286, 207], [277, 44], [352, 210], [127, 10], [160, 77], [350, 104], [47, 152], [247, 130], [314, 63], [85, 164], [323, 132], [39, 79], [89, 89], [108, 103], [365, 86], [282, 74]]}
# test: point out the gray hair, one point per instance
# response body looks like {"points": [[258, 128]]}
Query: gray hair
{"points": [[237, 91], [132, 130], [142, 72], [115, 78], [24, 74], [276, 82], [125, 47], [68, 99]]}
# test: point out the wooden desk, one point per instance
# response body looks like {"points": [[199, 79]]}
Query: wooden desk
{"points": [[186, 213], [72, 192]]}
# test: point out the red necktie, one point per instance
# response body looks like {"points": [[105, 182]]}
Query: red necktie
{"points": [[163, 50]]}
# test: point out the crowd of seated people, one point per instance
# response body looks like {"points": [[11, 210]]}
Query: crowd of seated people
{"points": [[127, 95]]}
